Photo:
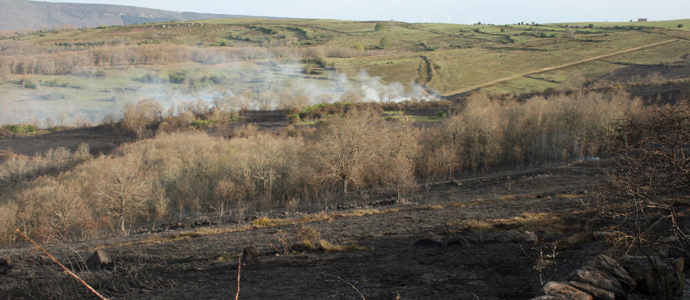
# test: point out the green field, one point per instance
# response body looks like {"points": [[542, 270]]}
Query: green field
{"points": [[442, 58]]}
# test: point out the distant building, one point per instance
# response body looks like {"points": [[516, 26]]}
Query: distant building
{"points": [[642, 20]]}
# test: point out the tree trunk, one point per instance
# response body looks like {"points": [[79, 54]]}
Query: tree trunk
{"points": [[122, 225], [345, 186]]}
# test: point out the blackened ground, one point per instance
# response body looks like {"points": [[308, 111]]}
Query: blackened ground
{"points": [[101, 140], [464, 264]]}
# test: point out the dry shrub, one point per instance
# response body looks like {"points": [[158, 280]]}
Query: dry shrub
{"points": [[487, 133], [8, 214], [187, 171], [136, 117]]}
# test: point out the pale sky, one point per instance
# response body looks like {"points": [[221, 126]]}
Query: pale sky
{"points": [[436, 11]]}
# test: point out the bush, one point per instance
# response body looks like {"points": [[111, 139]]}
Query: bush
{"points": [[178, 77], [151, 78], [385, 43], [28, 84], [359, 47], [21, 129], [218, 78], [293, 119], [680, 25], [590, 26], [380, 26]]}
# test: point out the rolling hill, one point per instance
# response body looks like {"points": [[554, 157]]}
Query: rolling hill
{"points": [[22, 14]]}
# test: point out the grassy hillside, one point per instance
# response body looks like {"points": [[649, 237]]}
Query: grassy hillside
{"points": [[23, 14], [97, 70]]}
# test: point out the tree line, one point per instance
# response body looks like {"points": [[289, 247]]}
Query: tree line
{"points": [[181, 171]]}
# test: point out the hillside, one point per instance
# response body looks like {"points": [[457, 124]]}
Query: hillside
{"points": [[90, 72], [22, 14]]}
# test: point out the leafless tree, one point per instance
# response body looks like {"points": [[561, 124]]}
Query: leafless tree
{"points": [[344, 145], [125, 191]]}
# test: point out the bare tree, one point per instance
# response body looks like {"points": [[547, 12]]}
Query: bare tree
{"points": [[343, 146], [125, 190]]}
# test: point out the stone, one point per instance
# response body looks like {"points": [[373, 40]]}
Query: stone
{"points": [[251, 256], [564, 291], [610, 266], [427, 244], [597, 293], [598, 279], [531, 237], [655, 275], [546, 297], [458, 241], [686, 290], [510, 236], [5, 266], [98, 261]]}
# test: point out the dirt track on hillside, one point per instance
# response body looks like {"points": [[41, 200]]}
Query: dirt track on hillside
{"points": [[518, 76]]}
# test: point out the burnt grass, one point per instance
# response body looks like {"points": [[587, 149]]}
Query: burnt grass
{"points": [[417, 249]]}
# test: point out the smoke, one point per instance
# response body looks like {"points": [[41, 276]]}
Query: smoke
{"points": [[255, 86]]}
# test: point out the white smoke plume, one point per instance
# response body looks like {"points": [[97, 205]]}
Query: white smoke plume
{"points": [[275, 79]]}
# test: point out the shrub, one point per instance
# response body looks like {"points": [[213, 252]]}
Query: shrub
{"points": [[385, 42], [680, 25], [293, 119], [178, 77], [380, 26], [218, 78], [590, 26], [28, 84], [22, 128], [359, 47], [151, 78], [136, 117]]}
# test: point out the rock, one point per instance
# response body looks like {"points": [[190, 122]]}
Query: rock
{"points": [[564, 291], [5, 266], [98, 261], [654, 275], [597, 293], [686, 290], [427, 244], [251, 256], [546, 297], [458, 241], [510, 236], [531, 237], [599, 279], [612, 267]]}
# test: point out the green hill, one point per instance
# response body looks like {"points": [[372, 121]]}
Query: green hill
{"points": [[22, 14], [96, 70]]}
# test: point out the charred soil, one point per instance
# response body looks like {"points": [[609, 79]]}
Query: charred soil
{"points": [[458, 239]]}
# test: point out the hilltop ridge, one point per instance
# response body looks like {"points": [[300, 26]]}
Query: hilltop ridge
{"points": [[23, 14]]}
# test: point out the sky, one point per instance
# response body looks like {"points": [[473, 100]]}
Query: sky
{"points": [[435, 11]]}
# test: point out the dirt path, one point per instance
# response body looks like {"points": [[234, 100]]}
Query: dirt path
{"points": [[517, 76]]}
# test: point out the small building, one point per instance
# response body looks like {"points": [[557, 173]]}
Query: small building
{"points": [[642, 20]]}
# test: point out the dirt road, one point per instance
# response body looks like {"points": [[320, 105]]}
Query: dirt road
{"points": [[517, 76]]}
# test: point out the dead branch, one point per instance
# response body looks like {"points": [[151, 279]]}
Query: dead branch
{"points": [[348, 283], [19, 232]]}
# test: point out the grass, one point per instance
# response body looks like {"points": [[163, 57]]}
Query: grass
{"points": [[463, 56], [527, 221]]}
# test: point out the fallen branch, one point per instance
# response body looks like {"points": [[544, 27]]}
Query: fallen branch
{"points": [[350, 284], [239, 268], [19, 232]]}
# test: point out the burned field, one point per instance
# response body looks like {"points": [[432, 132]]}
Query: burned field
{"points": [[459, 239]]}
